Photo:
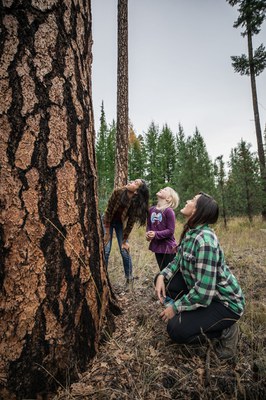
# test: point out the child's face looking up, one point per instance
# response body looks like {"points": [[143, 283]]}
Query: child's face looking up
{"points": [[163, 194]]}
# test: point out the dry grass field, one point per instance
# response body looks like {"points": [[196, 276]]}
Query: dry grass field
{"points": [[139, 362]]}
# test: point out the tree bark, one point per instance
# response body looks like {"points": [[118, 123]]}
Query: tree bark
{"points": [[122, 134], [261, 153], [53, 288]]}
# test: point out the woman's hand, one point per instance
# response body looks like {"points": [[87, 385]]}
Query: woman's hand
{"points": [[160, 288], [167, 314], [125, 246]]}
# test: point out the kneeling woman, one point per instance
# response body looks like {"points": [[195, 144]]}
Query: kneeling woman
{"points": [[202, 296]]}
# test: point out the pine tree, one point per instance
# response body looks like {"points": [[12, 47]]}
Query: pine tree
{"points": [[220, 175], [101, 155], [110, 157], [166, 157], [244, 189], [136, 155], [202, 164], [181, 157], [105, 153], [252, 13], [151, 151], [121, 157], [194, 170], [54, 291]]}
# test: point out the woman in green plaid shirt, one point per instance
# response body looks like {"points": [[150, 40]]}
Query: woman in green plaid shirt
{"points": [[202, 296]]}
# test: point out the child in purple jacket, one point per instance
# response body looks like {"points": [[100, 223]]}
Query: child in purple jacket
{"points": [[161, 227]]}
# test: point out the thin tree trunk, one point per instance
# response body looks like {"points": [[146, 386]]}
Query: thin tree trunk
{"points": [[53, 287], [261, 153], [121, 157]]}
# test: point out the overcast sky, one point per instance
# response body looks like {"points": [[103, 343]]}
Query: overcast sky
{"points": [[179, 70]]}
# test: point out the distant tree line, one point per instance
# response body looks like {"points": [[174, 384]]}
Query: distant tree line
{"points": [[165, 158]]}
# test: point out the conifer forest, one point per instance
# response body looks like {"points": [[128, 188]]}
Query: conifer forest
{"points": [[166, 158]]}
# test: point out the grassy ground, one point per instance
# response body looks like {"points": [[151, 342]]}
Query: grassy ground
{"points": [[139, 361]]}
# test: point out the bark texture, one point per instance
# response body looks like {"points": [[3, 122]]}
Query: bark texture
{"points": [[53, 287], [121, 157]]}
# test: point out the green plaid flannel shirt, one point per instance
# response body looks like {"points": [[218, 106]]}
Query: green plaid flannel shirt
{"points": [[201, 261]]}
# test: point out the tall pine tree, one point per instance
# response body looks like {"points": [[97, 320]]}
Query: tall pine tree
{"points": [[54, 293], [121, 157], [252, 13]]}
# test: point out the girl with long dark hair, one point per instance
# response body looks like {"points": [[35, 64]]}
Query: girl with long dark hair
{"points": [[127, 205], [202, 296]]}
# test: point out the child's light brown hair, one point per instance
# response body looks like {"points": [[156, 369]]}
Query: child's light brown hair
{"points": [[173, 199]]}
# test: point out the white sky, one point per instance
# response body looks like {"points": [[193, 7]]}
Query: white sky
{"points": [[179, 70]]}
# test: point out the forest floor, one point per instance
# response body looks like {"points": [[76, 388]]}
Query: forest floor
{"points": [[140, 362]]}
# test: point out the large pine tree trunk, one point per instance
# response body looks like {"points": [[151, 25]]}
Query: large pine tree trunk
{"points": [[53, 286], [121, 157], [261, 153]]}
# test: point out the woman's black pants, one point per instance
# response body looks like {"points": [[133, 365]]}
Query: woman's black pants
{"points": [[163, 259], [194, 326]]}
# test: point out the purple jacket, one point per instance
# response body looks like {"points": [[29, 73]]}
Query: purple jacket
{"points": [[163, 224]]}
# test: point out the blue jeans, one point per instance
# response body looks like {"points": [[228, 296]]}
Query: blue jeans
{"points": [[127, 262]]}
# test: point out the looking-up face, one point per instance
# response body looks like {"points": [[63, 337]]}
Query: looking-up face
{"points": [[163, 194], [190, 207], [133, 186]]}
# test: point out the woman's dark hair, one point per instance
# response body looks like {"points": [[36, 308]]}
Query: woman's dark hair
{"points": [[207, 212], [139, 207]]}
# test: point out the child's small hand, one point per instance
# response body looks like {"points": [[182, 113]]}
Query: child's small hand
{"points": [[150, 234], [148, 238]]}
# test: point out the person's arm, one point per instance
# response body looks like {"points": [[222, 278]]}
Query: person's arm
{"points": [[170, 226], [205, 270], [109, 209], [108, 215]]}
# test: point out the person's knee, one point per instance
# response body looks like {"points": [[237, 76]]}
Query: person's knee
{"points": [[177, 332]]}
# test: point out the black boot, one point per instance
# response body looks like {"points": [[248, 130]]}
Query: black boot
{"points": [[226, 346]]}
